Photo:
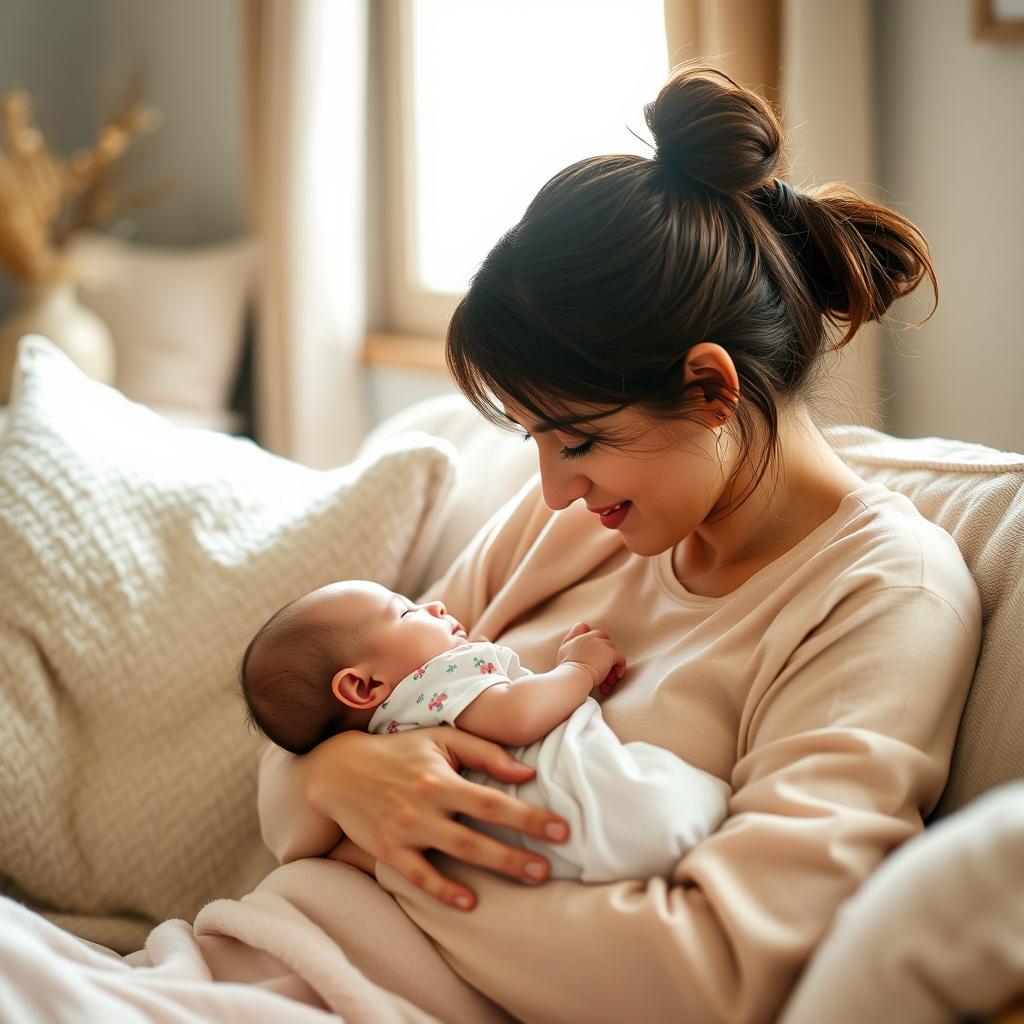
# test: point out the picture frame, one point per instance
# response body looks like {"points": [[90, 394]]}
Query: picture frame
{"points": [[998, 20]]}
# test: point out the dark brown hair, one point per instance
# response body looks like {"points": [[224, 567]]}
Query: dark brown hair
{"points": [[285, 677], [622, 263]]}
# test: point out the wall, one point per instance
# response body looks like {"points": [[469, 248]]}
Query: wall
{"points": [[77, 56], [950, 148], [950, 114]]}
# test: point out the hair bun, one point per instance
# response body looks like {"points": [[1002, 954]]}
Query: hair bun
{"points": [[710, 130]]}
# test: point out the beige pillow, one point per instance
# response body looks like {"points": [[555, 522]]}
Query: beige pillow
{"points": [[136, 560], [177, 317], [977, 495], [934, 935]]}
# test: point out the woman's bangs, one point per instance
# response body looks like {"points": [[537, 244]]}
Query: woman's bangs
{"points": [[497, 353]]}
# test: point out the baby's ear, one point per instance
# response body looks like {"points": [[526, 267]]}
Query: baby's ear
{"points": [[345, 685], [354, 688]]}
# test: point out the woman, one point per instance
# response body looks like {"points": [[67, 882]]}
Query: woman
{"points": [[657, 326]]}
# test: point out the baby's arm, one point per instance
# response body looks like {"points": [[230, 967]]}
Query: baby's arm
{"points": [[525, 710]]}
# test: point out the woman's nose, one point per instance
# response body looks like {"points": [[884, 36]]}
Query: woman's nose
{"points": [[561, 484]]}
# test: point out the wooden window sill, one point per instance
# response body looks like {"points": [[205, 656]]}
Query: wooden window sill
{"points": [[405, 351]]}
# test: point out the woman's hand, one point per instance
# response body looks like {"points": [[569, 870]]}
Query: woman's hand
{"points": [[396, 796]]}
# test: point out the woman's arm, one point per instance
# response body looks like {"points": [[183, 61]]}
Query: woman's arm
{"points": [[837, 764], [291, 828]]}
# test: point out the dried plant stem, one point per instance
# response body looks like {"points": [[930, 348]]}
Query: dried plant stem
{"points": [[45, 199]]}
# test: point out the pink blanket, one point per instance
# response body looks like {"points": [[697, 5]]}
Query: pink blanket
{"points": [[282, 968], [265, 957]]}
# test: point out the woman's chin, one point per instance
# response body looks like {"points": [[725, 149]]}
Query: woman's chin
{"points": [[644, 545]]}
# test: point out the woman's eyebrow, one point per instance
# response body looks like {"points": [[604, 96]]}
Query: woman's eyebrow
{"points": [[544, 427]]}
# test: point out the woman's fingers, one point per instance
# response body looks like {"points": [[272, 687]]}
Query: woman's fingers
{"points": [[468, 751], [491, 804], [475, 847], [498, 808], [415, 866]]}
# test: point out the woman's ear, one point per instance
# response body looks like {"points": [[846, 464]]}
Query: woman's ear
{"points": [[708, 363], [355, 688]]}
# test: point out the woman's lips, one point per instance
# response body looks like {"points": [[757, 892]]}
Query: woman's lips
{"points": [[613, 516]]}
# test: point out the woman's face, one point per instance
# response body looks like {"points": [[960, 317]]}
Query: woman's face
{"points": [[665, 476]]}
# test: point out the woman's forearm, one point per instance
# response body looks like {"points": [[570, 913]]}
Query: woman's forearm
{"points": [[292, 828]]}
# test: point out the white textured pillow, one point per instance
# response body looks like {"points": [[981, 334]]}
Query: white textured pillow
{"points": [[176, 315], [136, 560], [493, 465]]}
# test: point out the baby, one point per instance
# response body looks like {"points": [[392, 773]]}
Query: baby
{"points": [[354, 655]]}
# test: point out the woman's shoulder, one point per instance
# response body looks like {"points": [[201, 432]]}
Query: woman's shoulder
{"points": [[888, 543]]}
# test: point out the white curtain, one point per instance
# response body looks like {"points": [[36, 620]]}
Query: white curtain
{"points": [[307, 100], [813, 59]]}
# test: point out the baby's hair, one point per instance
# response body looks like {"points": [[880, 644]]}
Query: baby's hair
{"points": [[285, 678]]}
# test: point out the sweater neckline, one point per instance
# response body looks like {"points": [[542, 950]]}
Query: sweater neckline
{"points": [[852, 502]]}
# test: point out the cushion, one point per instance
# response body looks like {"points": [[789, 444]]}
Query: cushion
{"points": [[494, 465], [136, 560], [977, 495], [935, 933], [176, 315]]}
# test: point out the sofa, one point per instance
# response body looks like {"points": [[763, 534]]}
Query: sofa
{"points": [[137, 557]]}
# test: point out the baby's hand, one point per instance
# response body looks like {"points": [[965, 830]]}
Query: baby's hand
{"points": [[594, 651]]}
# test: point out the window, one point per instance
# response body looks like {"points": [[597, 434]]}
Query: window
{"points": [[487, 100]]}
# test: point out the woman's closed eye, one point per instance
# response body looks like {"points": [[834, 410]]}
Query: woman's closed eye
{"points": [[567, 451], [579, 451]]}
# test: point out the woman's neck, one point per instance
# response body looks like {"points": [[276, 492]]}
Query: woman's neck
{"points": [[796, 495]]}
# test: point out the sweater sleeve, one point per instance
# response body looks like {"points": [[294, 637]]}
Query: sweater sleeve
{"points": [[291, 828], [837, 761]]}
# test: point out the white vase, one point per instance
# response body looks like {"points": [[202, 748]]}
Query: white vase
{"points": [[51, 308]]}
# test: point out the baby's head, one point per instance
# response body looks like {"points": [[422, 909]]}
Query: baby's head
{"points": [[324, 662]]}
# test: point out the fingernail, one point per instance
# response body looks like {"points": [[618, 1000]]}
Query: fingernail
{"points": [[555, 830], [462, 901], [535, 869]]}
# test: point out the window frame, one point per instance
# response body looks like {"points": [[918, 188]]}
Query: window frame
{"points": [[410, 309]]}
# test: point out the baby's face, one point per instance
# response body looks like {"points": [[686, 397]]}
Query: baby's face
{"points": [[396, 635]]}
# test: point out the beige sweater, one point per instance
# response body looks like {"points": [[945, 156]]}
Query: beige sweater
{"points": [[826, 690]]}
